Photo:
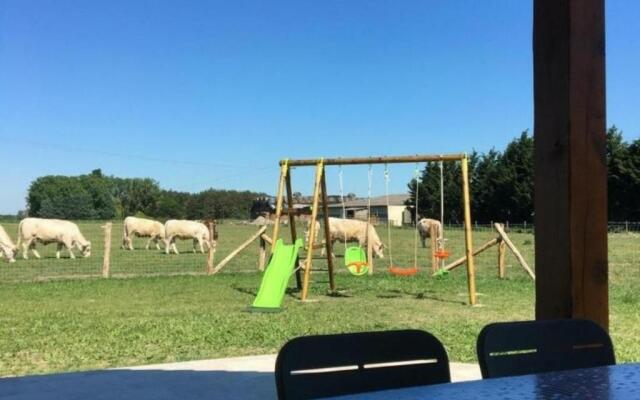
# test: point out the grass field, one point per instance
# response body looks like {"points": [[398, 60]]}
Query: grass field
{"points": [[96, 323]]}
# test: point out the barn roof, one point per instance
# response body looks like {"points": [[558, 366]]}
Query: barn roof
{"points": [[394, 200]]}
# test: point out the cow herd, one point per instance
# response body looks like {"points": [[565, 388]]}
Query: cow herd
{"points": [[67, 234]]}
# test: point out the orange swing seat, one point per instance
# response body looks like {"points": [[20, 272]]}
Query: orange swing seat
{"points": [[402, 271], [442, 254]]}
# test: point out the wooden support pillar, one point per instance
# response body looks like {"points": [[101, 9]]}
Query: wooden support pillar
{"points": [[327, 234], [502, 250], [292, 222], [262, 254], [468, 241], [433, 235], [312, 232], [569, 160], [284, 172]]}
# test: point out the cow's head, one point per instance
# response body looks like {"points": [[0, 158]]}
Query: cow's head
{"points": [[15, 251], [377, 249], [86, 249]]}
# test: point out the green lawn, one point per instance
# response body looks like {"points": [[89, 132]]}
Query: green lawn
{"points": [[96, 323]]}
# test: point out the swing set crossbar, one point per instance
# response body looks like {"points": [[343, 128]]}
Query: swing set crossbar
{"points": [[375, 160]]}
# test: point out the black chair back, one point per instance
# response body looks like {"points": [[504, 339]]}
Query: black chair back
{"points": [[330, 365], [528, 347]]}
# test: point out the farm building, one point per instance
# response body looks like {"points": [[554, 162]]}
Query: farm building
{"points": [[396, 211]]}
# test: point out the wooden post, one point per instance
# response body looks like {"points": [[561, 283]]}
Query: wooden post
{"points": [[328, 248], [502, 246], [284, 169], [433, 235], [468, 241], [312, 232], [292, 222], [234, 253], [569, 160], [477, 251], [505, 239], [262, 254], [370, 256], [213, 236], [267, 239], [106, 260]]}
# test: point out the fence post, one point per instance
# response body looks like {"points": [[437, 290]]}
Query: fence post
{"points": [[106, 260], [502, 247], [626, 226], [262, 255], [213, 242]]}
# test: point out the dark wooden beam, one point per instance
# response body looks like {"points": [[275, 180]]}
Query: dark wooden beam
{"points": [[292, 223], [570, 164]]}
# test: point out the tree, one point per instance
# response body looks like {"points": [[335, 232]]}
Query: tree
{"points": [[514, 184], [172, 204], [59, 197], [99, 188], [137, 195]]}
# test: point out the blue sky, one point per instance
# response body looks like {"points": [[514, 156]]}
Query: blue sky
{"points": [[212, 94]]}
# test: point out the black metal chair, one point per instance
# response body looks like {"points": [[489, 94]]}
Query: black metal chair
{"points": [[529, 347], [310, 367]]}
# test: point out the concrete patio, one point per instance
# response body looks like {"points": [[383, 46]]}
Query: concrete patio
{"points": [[227, 378]]}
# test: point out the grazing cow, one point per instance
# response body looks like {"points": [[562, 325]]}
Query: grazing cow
{"points": [[141, 227], [424, 229], [307, 234], [7, 248], [355, 231], [45, 231], [183, 229]]}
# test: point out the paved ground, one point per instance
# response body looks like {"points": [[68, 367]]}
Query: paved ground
{"points": [[228, 378]]}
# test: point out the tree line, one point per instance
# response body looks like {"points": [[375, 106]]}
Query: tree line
{"points": [[501, 190], [97, 196], [502, 183]]}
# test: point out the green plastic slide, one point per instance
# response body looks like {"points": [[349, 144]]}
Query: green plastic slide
{"points": [[276, 276]]}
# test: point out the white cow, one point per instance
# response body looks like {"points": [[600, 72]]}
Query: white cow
{"points": [[183, 229], [45, 231], [141, 227], [424, 229], [355, 231], [7, 248]]}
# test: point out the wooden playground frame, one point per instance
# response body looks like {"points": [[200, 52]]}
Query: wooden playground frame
{"points": [[320, 191]]}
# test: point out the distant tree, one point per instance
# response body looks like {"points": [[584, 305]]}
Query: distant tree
{"points": [[137, 195], [220, 204], [59, 197], [173, 204], [99, 188], [514, 185]]}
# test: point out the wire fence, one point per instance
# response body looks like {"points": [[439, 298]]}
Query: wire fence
{"points": [[241, 249]]}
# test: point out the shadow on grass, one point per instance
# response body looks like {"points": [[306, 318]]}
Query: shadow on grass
{"points": [[253, 291], [339, 294], [128, 384], [397, 293], [250, 291]]}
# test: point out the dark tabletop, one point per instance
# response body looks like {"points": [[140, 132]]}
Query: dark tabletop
{"points": [[616, 382]]}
